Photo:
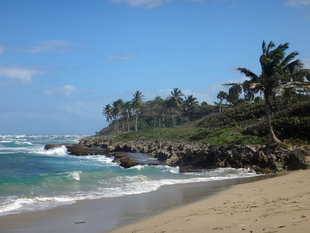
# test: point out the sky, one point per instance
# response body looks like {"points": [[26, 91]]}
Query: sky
{"points": [[62, 61]]}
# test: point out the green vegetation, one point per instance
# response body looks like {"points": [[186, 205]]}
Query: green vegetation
{"points": [[275, 108]]}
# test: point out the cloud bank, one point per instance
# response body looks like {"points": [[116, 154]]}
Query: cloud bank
{"points": [[23, 74], [51, 46], [65, 91]]}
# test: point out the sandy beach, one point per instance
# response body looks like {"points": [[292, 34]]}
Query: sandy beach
{"points": [[279, 204]]}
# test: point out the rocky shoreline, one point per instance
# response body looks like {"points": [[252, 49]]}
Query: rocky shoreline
{"points": [[192, 155]]}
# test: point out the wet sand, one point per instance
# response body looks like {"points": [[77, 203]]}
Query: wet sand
{"points": [[103, 215], [280, 204]]}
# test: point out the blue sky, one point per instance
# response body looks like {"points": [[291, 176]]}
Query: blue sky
{"points": [[62, 61]]}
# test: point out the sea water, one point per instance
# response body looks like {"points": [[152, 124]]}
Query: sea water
{"points": [[32, 178]]}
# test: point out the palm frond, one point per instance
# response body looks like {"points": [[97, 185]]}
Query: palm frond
{"points": [[289, 58], [248, 73]]}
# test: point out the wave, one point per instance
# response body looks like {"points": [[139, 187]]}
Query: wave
{"points": [[60, 151], [75, 175], [115, 186]]}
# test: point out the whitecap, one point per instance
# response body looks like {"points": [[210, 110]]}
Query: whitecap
{"points": [[59, 151], [75, 175]]}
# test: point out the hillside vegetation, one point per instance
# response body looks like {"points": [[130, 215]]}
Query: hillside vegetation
{"points": [[274, 108], [244, 124]]}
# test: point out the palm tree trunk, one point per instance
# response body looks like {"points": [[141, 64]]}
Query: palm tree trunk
{"points": [[272, 136], [221, 106], [136, 123], [128, 128]]}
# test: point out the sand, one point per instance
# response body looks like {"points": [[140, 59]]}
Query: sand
{"points": [[279, 204]]}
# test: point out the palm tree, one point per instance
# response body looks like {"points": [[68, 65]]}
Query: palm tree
{"points": [[222, 95], [275, 70], [116, 112], [107, 112], [189, 104], [174, 102], [127, 108], [233, 94], [136, 104]]}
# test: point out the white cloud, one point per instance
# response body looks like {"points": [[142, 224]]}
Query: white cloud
{"points": [[51, 46], [120, 57], [141, 3], [296, 3], [23, 74], [66, 91]]}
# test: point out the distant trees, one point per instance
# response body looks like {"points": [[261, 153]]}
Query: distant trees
{"points": [[137, 114]]}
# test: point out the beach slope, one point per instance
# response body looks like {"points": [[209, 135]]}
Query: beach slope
{"points": [[279, 204]]}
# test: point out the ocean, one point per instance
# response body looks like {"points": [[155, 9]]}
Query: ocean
{"points": [[34, 179]]}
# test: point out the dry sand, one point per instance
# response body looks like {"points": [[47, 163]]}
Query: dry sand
{"points": [[280, 204]]}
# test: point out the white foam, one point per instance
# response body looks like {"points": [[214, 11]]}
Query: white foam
{"points": [[37, 203], [102, 159], [75, 175], [60, 151], [5, 141]]}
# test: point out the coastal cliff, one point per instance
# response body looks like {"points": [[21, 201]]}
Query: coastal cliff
{"points": [[195, 155]]}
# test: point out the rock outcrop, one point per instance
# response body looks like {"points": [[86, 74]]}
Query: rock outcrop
{"points": [[190, 155]]}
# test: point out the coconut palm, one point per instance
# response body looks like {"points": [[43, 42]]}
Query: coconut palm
{"points": [[136, 104], [233, 94], [127, 109], [107, 112], [174, 102], [189, 105], [222, 95], [116, 112], [276, 68]]}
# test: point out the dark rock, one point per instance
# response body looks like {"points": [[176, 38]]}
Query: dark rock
{"points": [[295, 160], [196, 155], [82, 151], [52, 146]]}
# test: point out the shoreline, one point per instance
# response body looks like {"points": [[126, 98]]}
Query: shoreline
{"points": [[103, 215], [279, 204]]}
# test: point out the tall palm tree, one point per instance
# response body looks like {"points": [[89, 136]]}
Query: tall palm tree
{"points": [[189, 105], [127, 107], [275, 70], [175, 101], [222, 95], [116, 112], [136, 104], [107, 112]]}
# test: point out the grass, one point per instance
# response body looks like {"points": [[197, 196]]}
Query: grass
{"points": [[172, 134], [226, 136], [242, 125]]}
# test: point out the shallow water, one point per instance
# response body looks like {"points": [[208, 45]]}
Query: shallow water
{"points": [[33, 179]]}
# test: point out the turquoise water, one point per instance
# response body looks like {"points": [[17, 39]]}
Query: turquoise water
{"points": [[32, 178]]}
